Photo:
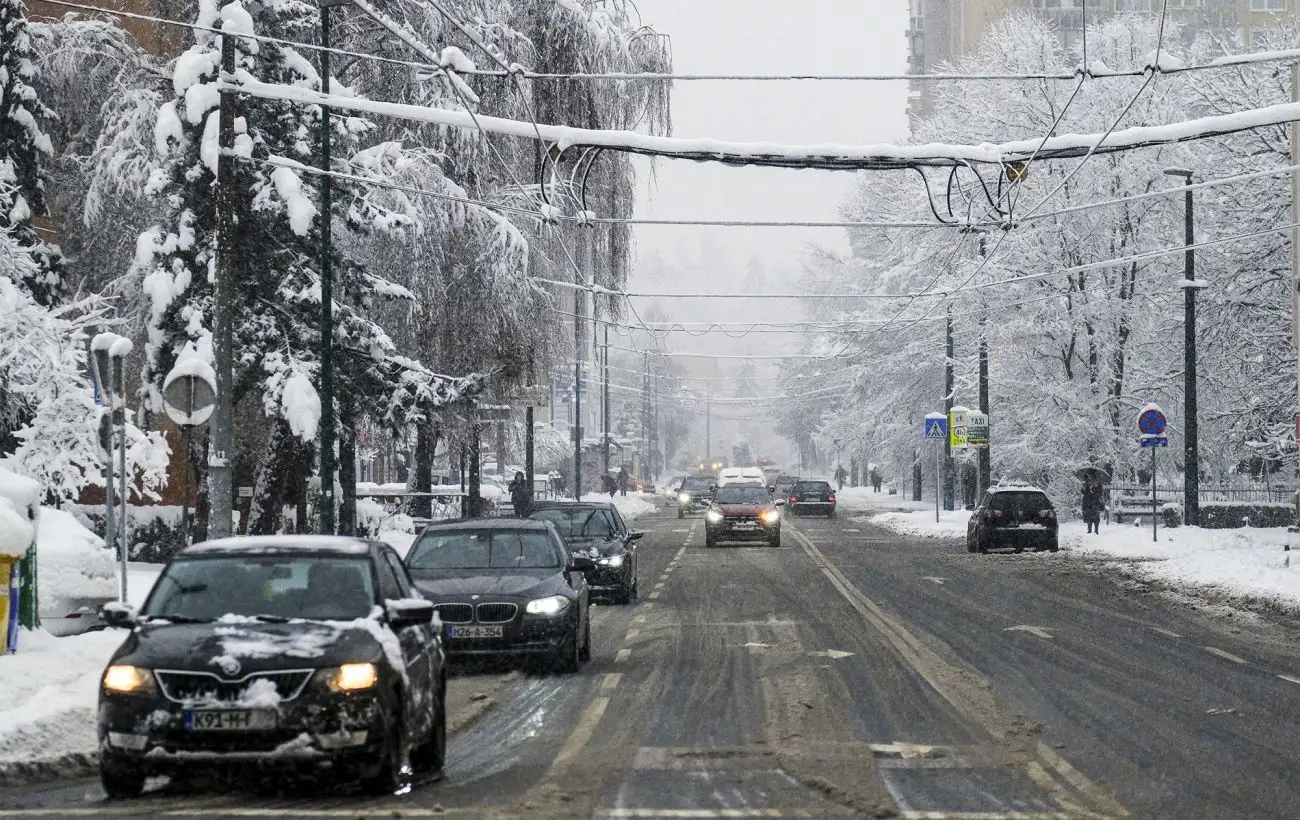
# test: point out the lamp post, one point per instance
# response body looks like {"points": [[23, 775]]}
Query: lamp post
{"points": [[1191, 460], [109, 352]]}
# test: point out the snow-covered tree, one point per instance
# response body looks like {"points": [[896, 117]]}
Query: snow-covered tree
{"points": [[24, 151]]}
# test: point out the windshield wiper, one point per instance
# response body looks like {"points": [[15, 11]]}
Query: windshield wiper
{"points": [[270, 619], [178, 619]]}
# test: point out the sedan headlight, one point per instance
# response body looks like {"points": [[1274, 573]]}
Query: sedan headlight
{"points": [[771, 516], [683, 498], [614, 561], [550, 605], [129, 680], [713, 517], [351, 677]]}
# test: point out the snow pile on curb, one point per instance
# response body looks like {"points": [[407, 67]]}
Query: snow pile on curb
{"points": [[71, 560], [921, 524], [864, 499], [629, 506]]}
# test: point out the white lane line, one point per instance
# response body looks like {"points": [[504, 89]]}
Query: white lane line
{"points": [[581, 733], [610, 681], [1225, 655], [848, 529], [685, 530], [1290, 678], [654, 596], [640, 619], [702, 813], [659, 585], [632, 635], [985, 815], [1165, 632], [623, 654]]}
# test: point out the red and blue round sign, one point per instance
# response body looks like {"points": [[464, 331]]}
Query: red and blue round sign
{"points": [[1151, 422]]}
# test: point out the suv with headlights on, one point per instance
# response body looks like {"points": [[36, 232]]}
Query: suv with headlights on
{"points": [[1015, 516], [694, 494], [743, 513], [271, 653]]}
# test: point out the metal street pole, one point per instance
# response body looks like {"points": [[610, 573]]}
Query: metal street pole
{"points": [[529, 462], [984, 458], [221, 446], [1295, 240], [604, 414], [578, 305], [948, 387], [1191, 442]]}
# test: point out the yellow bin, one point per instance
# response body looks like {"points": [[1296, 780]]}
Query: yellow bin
{"points": [[8, 604]]}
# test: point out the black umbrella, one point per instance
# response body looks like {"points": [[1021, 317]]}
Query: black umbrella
{"points": [[1083, 472]]}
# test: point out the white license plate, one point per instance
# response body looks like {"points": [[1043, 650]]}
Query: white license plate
{"points": [[229, 720], [745, 525], [474, 631]]}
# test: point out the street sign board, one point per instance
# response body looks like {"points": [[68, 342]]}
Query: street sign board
{"points": [[494, 412], [1155, 441], [968, 428], [1151, 420], [936, 427]]}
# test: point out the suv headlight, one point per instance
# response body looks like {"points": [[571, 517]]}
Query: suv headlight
{"points": [[129, 680], [350, 677], [683, 498], [614, 561], [713, 517], [550, 605], [771, 516]]}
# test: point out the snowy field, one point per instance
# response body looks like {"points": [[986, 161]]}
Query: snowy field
{"points": [[1247, 563]]}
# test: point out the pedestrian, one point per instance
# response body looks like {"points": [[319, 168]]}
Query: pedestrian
{"points": [[840, 475], [622, 480], [1094, 502], [521, 495], [875, 480], [610, 485]]}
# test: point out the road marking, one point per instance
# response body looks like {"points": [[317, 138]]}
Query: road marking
{"points": [[654, 596], [850, 529], [938, 581], [235, 811], [631, 635], [1079, 780], [834, 654], [630, 813], [1228, 656], [688, 529], [1290, 678], [640, 619], [985, 815], [623, 654], [581, 733], [610, 681], [1036, 631], [1165, 632], [659, 585]]}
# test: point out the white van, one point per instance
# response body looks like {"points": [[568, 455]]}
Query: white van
{"points": [[741, 475]]}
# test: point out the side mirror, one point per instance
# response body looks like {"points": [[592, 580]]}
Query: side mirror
{"points": [[970, 507], [409, 612], [581, 563], [780, 502], [636, 535], [118, 614]]}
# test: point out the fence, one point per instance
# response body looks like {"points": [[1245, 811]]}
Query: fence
{"points": [[1132, 494]]}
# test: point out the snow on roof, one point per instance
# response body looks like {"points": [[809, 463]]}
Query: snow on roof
{"points": [[879, 156], [19, 497], [487, 524], [1016, 487], [281, 543]]}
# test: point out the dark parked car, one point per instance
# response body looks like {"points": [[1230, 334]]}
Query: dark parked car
{"points": [[506, 588], [743, 513], [597, 530], [1015, 516], [812, 497], [694, 494], [257, 654]]}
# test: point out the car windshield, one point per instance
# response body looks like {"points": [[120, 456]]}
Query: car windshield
{"points": [[697, 484], [483, 549], [576, 522], [272, 586], [743, 495], [811, 487]]}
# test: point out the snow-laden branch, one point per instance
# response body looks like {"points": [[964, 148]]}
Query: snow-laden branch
{"points": [[822, 156]]}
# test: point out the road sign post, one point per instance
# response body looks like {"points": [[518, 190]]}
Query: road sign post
{"points": [[1151, 428], [936, 430]]}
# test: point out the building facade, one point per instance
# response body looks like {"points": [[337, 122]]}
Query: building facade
{"points": [[944, 31]]}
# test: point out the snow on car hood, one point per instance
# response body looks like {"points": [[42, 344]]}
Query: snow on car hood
{"points": [[254, 645], [595, 547]]}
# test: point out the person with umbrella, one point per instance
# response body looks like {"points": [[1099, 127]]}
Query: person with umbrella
{"points": [[1094, 497]]}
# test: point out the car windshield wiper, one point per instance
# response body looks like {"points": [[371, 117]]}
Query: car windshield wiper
{"points": [[270, 619], [178, 619]]}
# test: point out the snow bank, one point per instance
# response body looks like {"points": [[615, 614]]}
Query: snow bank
{"points": [[864, 499], [18, 498], [72, 561], [629, 506], [921, 523]]}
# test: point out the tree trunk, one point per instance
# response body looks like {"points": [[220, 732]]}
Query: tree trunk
{"points": [[916, 475], [348, 465], [202, 502], [266, 510], [426, 440]]}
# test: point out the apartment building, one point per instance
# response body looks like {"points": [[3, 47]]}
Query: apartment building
{"points": [[161, 39], [942, 31]]}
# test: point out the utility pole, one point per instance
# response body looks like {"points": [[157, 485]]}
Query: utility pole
{"points": [[1191, 433], [1295, 239], [221, 447], [948, 386], [985, 460], [708, 423], [604, 415], [327, 464], [578, 305], [645, 412]]}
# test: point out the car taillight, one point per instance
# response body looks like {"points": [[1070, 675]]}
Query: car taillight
{"points": [[1047, 514], [991, 514], [794, 499], [831, 497]]}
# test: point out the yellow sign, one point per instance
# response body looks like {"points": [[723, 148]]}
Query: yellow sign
{"points": [[8, 604]]}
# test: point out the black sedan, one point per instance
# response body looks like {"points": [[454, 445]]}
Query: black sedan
{"points": [[506, 588], [259, 654], [597, 530], [812, 497]]}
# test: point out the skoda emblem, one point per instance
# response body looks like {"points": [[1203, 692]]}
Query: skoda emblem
{"points": [[228, 666]]}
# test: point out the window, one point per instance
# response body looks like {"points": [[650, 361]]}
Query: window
{"points": [[481, 549], [743, 495], [1268, 5], [577, 522], [403, 580], [1132, 5], [389, 587]]}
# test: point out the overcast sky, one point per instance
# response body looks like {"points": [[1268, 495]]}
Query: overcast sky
{"points": [[770, 37]]}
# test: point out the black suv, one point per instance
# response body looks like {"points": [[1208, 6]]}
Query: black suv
{"points": [[596, 529], [812, 497], [694, 494], [276, 652], [1013, 516]]}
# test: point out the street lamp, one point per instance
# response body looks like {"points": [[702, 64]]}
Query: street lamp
{"points": [[1191, 460], [109, 352]]}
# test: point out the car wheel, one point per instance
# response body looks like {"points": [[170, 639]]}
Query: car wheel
{"points": [[983, 545], [121, 780], [390, 777], [680, 514], [970, 543], [626, 593], [1054, 545], [774, 541], [585, 653], [432, 756], [568, 659]]}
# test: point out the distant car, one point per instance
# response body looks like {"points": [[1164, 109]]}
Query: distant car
{"points": [[1016, 516], [506, 588], [673, 486], [694, 494], [645, 485], [596, 529], [742, 513], [275, 651], [812, 498]]}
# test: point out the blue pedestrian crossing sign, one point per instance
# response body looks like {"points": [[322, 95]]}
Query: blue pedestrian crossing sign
{"points": [[936, 427]]}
